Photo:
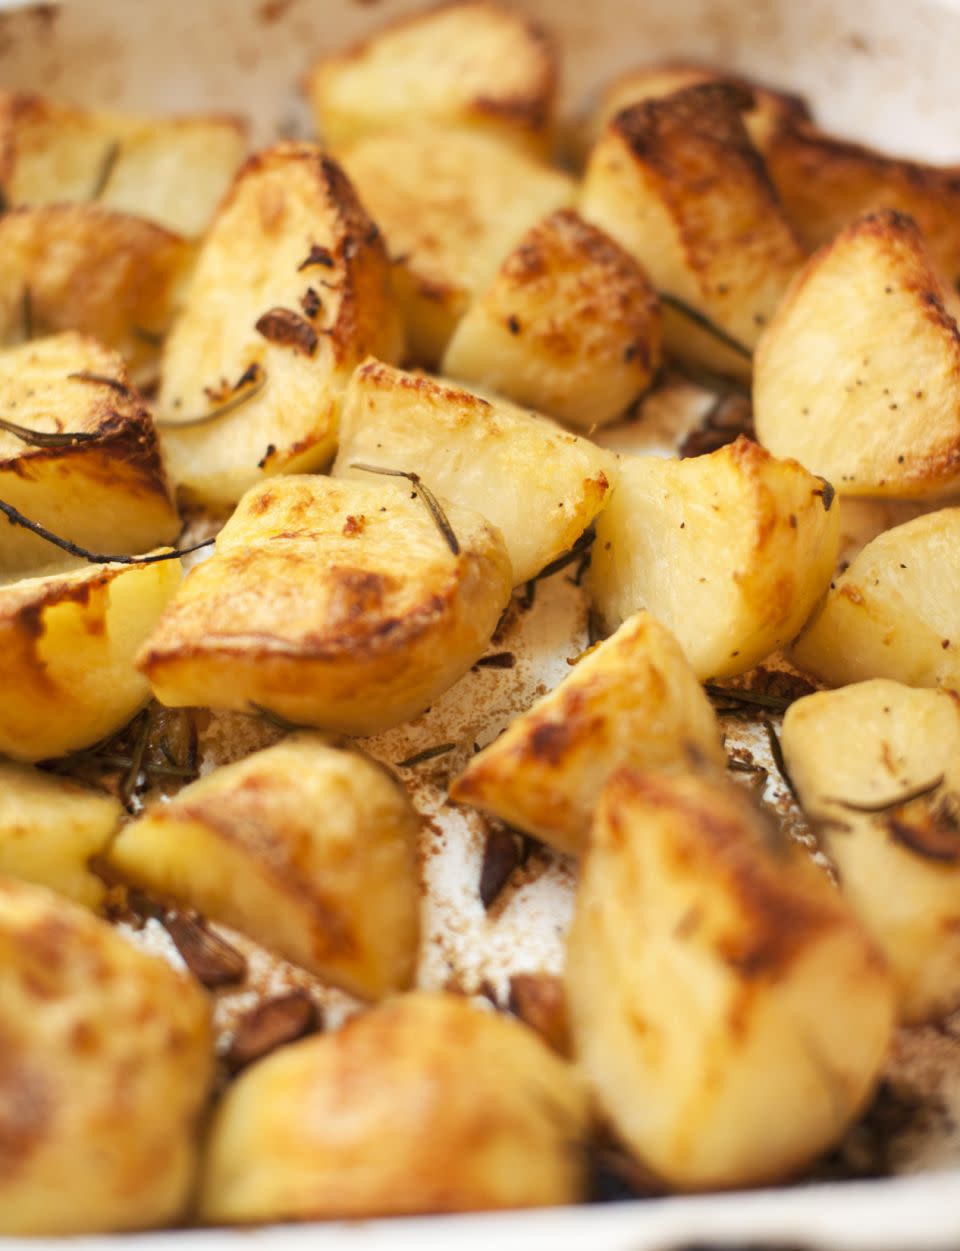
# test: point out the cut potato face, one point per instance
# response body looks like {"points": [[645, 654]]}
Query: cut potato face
{"points": [[290, 293], [481, 1115], [471, 64], [171, 171], [892, 613], [858, 375], [632, 699], [714, 975], [106, 1067], [678, 183], [856, 757], [731, 551], [86, 268], [49, 829], [452, 205], [540, 486], [570, 326], [107, 491], [369, 615], [67, 646], [307, 849]]}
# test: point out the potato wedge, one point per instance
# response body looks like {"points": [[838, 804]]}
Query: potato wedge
{"points": [[730, 551], [369, 614], [858, 374], [109, 493], [107, 1061], [470, 63], [729, 1011], [289, 294], [452, 204], [67, 645], [540, 486], [891, 614], [49, 829], [84, 267], [171, 171], [632, 699], [852, 754], [569, 326], [678, 183], [307, 849], [480, 1113]]}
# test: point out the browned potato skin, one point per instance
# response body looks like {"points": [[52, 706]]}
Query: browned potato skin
{"points": [[425, 1104], [570, 326], [107, 1060]]}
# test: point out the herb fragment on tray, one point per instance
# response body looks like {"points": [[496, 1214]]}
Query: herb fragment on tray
{"points": [[497, 660], [105, 172], [210, 958], [47, 438], [95, 558], [270, 1025], [728, 417], [704, 323], [428, 753], [505, 850], [750, 699], [424, 493], [896, 801], [539, 1000]]}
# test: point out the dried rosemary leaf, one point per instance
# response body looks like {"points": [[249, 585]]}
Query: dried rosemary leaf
{"points": [[247, 387], [47, 438], [428, 753], [897, 801], [704, 323], [107, 166], [211, 960], [270, 1025], [428, 497]]}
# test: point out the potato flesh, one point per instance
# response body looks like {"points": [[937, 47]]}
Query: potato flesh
{"points": [[730, 551], [305, 848], [49, 829], [864, 744], [633, 699], [540, 486], [481, 1115], [858, 375], [730, 1014], [107, 1064], [67, 647], [570, 326], [370, 616]]}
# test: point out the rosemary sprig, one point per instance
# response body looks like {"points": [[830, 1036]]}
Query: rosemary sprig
{"points": [[428, 753], [704, 323], [569, 557], [46, 438], [107, 166], [102, 380], [129, 784], [755, 699], [428, 497], [776, 751], [249, 385], [275, 719], [898, 801]]}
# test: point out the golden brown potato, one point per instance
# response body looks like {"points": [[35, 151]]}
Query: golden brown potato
{"points": [[452, 204], [308, 849], [569, 326], [731, 551], [893, 612], [730, 1013], [424, 1104], [84, 267], [108, 492], [171, 171], [856, 756], [106, 1065], [678, 183], [540, 486], [67, 645], [632, 699], [289, 294], [470, 63], [49, 829], [858, 374], [367, 617]]}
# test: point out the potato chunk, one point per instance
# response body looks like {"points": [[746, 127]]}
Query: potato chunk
{"points": [[305, 848], [856, 756], [891, 613], [858, 375], [540, 486], [367, 614], [729, 1012], [49, 829], [106, 1066], [472, 64], [108, 492], [289, 294], [731, 551], [67, 646], [171, 171], [632, 699], [569, 325], [678, 183], [452, 204], [424, 1104]]}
